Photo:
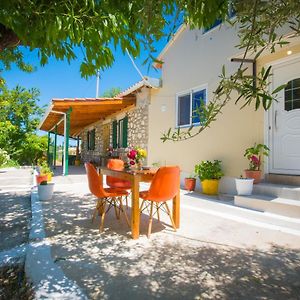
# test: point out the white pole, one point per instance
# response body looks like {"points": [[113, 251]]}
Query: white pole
{"points": [[65, 139], [97, 84]]}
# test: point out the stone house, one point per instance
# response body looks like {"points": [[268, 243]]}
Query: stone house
{"points": [[126, 128]]}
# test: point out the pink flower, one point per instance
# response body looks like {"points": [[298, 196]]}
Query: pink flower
{"points": [[255, 160], [132, 154]]}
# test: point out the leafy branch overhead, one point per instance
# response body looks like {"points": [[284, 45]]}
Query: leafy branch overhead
{"points": [[258, 24], [59, 28]]}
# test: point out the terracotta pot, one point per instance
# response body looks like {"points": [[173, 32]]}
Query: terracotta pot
{"points": [[40, 178], [77, 162], [210, 186], [256, 175], [189, 184]]}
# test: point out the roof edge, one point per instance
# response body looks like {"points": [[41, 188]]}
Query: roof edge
{"points": [[169, 44]]}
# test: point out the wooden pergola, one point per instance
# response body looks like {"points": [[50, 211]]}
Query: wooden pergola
{"points": [[69, 117]]}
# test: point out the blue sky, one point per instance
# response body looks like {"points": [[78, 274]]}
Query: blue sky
{"points": [[58, 79]]}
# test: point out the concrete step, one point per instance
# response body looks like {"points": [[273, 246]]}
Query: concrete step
{"points": [[283, 179], [271, 204], [278, 190]]}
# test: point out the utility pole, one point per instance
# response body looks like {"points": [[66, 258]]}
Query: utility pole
{"points": [[97, 83]]}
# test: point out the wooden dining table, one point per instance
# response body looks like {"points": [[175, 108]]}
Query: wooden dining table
{"points": [[135, 177]]}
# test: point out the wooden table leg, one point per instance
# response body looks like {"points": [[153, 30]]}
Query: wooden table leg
{"points": [[176, 209], [135, 210]]}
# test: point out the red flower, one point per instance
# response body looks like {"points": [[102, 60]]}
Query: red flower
{"points": [[132, 162]]}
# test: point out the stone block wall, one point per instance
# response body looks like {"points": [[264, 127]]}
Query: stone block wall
{"points": [[102, 142], [138, 131]]}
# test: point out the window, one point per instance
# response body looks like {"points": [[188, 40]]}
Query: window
{"points": [[231, 14], [292, 95], [91, 139], [187, 104], [216, 23], [119, 133]]}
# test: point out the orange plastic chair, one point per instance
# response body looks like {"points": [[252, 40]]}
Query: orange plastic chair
{"points": [[118, 165], [164, 186], [105, 196]]}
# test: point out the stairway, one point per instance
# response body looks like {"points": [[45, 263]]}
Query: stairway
{"points": [[274, 198]]}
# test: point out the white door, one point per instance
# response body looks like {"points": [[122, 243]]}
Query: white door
{"points": [[284, 123]]}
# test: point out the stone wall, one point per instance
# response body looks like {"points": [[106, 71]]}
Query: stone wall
{"points": [[138, 130], [102, 142]]}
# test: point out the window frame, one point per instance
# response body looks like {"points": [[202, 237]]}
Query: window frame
{"points": [[121, 134], [190, 92], [91, 140]]}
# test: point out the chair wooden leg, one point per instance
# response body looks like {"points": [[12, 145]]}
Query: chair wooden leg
{"points": [[115, 207], [124, 212], [102, 217], [95, 211], [141, 208], [126, 202], [157, 211], [169, 213], [150, 220]]}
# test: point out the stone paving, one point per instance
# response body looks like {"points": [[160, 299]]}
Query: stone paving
{"points": [[15, 217], [219, 252]]}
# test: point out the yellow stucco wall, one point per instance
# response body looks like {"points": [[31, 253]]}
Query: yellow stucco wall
{"points": [[192, 61]]}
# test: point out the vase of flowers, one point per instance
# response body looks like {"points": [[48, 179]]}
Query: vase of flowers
{"points": [[255, 156], [136, 155]]}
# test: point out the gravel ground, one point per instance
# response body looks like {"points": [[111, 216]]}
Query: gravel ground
{"points": [[15, 216]]}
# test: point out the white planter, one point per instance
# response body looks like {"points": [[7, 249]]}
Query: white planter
{"points": [[45, 192], [244, 186]]}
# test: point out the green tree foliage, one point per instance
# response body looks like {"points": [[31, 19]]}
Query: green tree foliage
{"points": [[57, 28], [19, 117], [112, 92]]}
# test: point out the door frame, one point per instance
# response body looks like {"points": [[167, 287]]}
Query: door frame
{"points": [[268, 120]]}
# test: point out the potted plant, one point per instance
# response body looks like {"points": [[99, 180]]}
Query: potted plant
{"points": [[244, 186], [255, 156], [45, 190], [209, 173], [190, 183], [46, 171]]}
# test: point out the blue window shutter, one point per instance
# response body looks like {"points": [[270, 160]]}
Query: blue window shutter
{"points": [[115, 134], [93, 133], [125, 132]]}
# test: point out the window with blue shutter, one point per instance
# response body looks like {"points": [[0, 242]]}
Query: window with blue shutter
{"points": [[115, 134], [189, 107]]}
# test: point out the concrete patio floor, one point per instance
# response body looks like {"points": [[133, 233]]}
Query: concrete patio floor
{"points": [[219, 252]]}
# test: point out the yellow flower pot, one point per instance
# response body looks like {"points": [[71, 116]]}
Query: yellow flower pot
{"points": [[210, 186]]}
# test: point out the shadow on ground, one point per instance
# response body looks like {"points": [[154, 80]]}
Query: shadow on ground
{"points": [[168, 266], [15, 215]]}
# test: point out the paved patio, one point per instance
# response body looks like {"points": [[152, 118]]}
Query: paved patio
{"points": [[220, 251]]}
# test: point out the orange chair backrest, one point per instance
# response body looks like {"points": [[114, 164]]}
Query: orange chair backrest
{"points": [[117, 165], [94, 182], [165, 184]]}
